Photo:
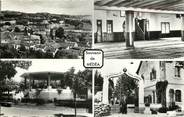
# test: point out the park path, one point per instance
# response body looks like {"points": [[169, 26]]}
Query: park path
{"points": [[37, 112]]}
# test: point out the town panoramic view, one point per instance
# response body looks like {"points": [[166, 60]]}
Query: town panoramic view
{"points": [[45, 29]]}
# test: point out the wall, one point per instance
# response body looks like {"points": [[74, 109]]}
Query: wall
{"points": [[105, 15], [155, 20], [150, 85], [118, 20], [175, 87], [176, 83], [170, 74], [145, 70]]}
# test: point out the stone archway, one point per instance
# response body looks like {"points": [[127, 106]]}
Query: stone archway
{"points": [[105, 98]]}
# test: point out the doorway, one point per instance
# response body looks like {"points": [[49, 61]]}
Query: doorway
{"points": [[141, 29], [109, 30], [99, 31]]}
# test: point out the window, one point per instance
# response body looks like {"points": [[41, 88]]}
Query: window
{"points": [[178, 96], [171, 95], [165, 27], [109, 26], [153, 74], [177, 71]]}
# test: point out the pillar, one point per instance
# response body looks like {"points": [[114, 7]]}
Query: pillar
{"points": [[25, 82], [182, 27], [141, 95], [105, 95], [129, 29], [33, 83], [29, 83], [48, 80]]}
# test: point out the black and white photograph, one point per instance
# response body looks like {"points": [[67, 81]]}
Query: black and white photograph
{"points": [[45, 28], [45, 88], [136, 88], [139, 29]]}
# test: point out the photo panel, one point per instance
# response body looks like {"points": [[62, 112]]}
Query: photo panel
{"points": [[45, 88], [139, 88], [139, 29], [59, 29]]}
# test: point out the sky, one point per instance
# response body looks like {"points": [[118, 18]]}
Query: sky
{"points": [[116, 66], [57, 65], [70, 7]]}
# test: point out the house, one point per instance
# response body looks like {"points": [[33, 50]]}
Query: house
{"points": [[170, 72], [7, 36]]}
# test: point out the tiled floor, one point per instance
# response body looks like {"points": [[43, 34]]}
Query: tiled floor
{"points": [[165, 48]]}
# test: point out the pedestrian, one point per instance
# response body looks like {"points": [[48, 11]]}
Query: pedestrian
{"points": [[121, 106], [125, 106], [112, 101]]}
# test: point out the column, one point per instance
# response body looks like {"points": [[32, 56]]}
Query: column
{"points": [[105, 98], [33, 83], [182, 98], [141, 95], [48, 81], [129, 29], [25, 82], [182, 27], [29, 83]]}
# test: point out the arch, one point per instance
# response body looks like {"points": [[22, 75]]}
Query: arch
{"points": [[140, 87]]}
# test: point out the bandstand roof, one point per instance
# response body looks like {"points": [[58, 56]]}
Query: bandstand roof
{"points": [[163, 5], [43, 75]]}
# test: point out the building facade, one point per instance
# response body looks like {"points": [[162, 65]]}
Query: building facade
{"points": [[109, 25], [154, 72]]}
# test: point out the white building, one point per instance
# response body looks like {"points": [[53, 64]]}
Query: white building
{"points": [[154, 72]]}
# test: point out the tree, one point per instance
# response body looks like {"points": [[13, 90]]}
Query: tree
{"points": [[7, 23], [7, 71], [98, 81], [17, 29], [84, 81], [125, 86], [22, 22], [161, 92], [59, 32], [84, 85], [69, 77], [22, 48], [66, 54]]}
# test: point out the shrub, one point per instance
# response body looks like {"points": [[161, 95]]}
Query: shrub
{"points": [[17, 29], [40, 101], [66, 54], [163, 110], [153, 111], [175, 107], [147, 104]]}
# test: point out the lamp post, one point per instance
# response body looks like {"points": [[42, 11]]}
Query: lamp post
{"points": [[75, 88]]}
